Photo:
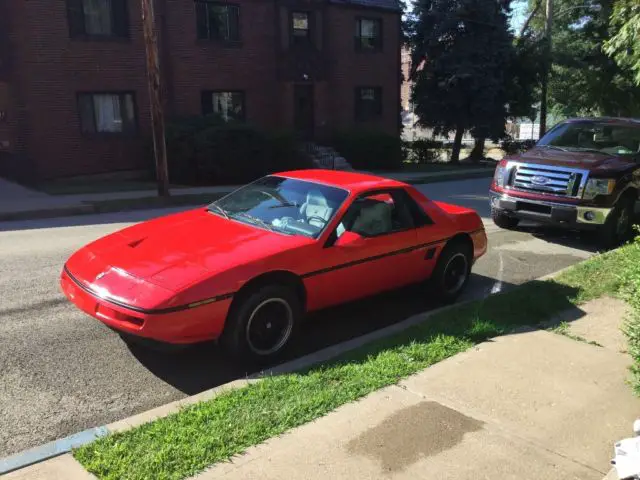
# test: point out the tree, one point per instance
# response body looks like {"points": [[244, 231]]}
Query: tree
{"points": [[624, 45], [584, 80], [465, 48]]}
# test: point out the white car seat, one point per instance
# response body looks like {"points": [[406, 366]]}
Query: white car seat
{"points": [[373, 219], [316, 205]]}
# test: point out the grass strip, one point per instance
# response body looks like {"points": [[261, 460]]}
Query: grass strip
{"points": [[185, 443]]}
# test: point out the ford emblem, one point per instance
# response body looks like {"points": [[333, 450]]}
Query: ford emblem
{"points": [[539, 180]]}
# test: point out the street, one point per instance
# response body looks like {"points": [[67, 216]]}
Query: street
{"points": [[62, 372]]}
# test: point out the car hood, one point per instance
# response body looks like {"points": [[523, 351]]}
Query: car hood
{"points": [[593, 162], [177, 250]]}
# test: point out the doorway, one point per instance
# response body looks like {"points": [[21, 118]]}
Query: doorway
{"points": [[303, 111]]}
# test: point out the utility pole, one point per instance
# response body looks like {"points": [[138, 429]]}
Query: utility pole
{"points": [[547, 67], [155, 96]]}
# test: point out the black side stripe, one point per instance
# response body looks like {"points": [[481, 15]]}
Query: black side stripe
{"points": [[373, 259], [148, 311]]}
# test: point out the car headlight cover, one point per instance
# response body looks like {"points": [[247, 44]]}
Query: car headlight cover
{"points": [[599, 186]]}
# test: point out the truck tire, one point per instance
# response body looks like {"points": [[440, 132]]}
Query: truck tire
{"points": [[618, 227], [503, 220]]}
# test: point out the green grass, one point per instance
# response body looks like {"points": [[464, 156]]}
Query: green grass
{"points": [[564, 329], [185, 443]]}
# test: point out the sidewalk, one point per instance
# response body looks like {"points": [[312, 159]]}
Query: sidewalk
{"points": [[20, 203], [531, 405], [534, 405]]}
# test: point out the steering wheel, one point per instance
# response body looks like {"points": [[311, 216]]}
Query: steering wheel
{"points": [[314, 217]]}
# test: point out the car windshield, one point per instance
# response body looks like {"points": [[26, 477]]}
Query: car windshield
{"points": [[597, 137], [284, 205]]}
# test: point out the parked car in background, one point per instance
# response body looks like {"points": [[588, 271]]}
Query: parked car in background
{"points": [[245, 269], [582, 174]]}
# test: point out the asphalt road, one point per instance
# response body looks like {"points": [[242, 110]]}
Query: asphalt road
{"points": [[62, 372]]}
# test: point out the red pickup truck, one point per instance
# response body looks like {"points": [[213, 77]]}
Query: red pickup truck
{"points": [[583, 174]]}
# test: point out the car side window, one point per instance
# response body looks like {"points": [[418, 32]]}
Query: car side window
{"points": [[377, 214]]}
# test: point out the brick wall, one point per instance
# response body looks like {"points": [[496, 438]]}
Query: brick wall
{"points": [[49, 69]]}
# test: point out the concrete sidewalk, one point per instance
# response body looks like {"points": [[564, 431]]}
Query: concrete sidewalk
{"points": [[20, 203], [534, 405]]}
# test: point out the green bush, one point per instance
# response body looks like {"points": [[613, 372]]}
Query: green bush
{"points": [[369, 150], [423, 150], [511, 146], [208, 150]]}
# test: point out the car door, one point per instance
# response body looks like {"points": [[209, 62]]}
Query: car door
{"points": [[382, 256]]}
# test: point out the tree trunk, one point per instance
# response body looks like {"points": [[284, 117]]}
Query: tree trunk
{"points": [[477, 153], [457, 143]]}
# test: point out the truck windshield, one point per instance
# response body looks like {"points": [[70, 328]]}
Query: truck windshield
{"points": [[600, 137]]}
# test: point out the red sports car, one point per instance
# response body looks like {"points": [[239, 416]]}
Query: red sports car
{"points": [[246, 268]]}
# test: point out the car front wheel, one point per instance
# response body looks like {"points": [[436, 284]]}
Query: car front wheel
{"points": [[618, 227], [260, 327]]}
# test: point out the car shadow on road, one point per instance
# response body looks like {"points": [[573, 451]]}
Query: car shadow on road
{"points": [[204, 366]]}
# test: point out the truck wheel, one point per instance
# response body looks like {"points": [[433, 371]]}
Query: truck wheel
{"points": [[618, 228], [503, 220], [260, 328]]}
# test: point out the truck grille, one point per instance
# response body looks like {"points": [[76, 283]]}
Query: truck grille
{"points": [[549, 180]]}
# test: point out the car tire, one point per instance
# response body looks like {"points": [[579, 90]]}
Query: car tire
{"points": [[503, 220], [618, 227], [261, 325], [452, 272]]}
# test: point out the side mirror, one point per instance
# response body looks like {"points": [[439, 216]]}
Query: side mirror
{"points": [[349, 240]]}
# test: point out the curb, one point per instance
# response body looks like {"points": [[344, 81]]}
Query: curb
{"points": [[104, 207], [65, 445]]}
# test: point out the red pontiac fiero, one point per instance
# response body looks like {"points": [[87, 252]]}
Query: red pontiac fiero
{"points": [[245, 269]]}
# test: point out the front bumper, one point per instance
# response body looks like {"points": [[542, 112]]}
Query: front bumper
{"points": [[183, 327], [562, 214]]}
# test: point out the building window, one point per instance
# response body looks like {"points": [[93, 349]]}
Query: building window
{"points": [[98, 18], [300, 33], [218, 21], [369, 34], [368, 103], [107, 112], [228, 105]]}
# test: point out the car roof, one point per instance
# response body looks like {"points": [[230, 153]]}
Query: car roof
{"points": [[611, 120], [353, 181]]}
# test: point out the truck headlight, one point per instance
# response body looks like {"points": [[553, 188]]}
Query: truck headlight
{"points": [[500, 175], [598, 186]]}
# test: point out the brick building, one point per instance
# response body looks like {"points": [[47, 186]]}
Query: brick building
{"points": [[73, 92]]}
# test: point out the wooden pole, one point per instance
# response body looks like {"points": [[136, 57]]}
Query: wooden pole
{"points": [[547, 67], [155, 96]]}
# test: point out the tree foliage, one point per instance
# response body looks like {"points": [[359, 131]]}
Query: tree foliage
{"points": [[624, 45], [584, 80], [465, 49]]}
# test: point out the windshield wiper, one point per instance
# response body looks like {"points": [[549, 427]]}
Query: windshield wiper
{"points": [[553, 147], [286, 204], [220, 210], [590, 150], [257, 220]]}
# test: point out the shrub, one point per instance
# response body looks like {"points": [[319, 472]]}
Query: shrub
{"points": [[511, 146], [371, 150], [206, 150], [423, 150]]}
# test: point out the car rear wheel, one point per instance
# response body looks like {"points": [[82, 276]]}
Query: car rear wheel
{"points": [[260, 327], [503, 220], [452, 271]]}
